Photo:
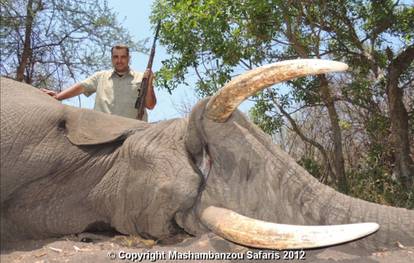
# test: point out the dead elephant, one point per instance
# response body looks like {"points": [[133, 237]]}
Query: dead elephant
{"points": [[64, 170]]}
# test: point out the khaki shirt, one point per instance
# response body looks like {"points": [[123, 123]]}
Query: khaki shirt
{"points": [[115, 95]]}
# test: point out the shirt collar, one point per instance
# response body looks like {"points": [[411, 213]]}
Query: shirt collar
{"points": [[115, 74]]}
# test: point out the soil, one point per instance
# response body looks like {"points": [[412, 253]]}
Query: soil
{"points": [[94, 248]]}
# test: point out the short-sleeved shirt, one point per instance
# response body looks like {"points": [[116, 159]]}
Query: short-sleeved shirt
{"points": [[114, 94]]}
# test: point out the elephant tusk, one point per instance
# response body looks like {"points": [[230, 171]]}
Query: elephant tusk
{"points": [[260, 234], [227, 99]]}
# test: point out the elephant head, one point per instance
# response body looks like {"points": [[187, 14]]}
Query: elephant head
{"points": [[215, 171], [249, 175]]}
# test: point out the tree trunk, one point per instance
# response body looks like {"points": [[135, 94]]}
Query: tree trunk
{"points": [[338, 157], [404, 165], [27, 51], [339, 166]]}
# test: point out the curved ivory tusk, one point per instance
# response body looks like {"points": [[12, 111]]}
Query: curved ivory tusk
{"points": [[260, 234], [227, 99]]}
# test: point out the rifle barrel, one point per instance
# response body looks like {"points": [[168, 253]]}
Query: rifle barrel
{"points": [[140, 102]]}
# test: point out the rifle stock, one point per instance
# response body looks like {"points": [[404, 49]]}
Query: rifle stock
{"points": [[140, 102]]}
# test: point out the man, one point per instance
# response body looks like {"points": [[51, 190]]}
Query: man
{"points": [[116, 90]]}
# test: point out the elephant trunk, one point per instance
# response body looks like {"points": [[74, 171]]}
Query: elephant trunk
{"points": [[319, 204]]}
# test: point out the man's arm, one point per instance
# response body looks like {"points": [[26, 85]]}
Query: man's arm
{"points": [[73, 91], [150, 98]]}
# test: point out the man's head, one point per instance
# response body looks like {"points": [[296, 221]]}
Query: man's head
{"points": [[120, 58]]}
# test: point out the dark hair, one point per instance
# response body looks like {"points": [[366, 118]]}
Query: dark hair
{"points": [[120, 46]]}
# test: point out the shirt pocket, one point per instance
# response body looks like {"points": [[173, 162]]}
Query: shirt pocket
{"points": [[135, 86]]}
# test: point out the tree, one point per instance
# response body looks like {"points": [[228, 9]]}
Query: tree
{"points": [[48, 42], [382, 48], [215, 40]]}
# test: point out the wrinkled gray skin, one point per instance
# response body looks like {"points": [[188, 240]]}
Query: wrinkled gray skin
{"points": [[63, 170]]}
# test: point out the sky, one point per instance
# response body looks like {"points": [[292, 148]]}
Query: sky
{"points": [[134, 16]]}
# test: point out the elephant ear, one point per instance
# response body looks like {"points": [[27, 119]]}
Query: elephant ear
{"points": [[89, 127]]}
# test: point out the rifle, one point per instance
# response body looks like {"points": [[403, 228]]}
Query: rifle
{"points": [[140, 102]]}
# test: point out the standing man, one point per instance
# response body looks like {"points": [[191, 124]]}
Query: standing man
{"points": [[116, 90]]}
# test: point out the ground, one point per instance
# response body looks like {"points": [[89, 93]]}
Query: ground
{"points": [[134, 249]]}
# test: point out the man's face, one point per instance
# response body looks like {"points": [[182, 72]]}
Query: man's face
{"points": [[120, 60]]}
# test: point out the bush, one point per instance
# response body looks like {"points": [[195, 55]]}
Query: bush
{"points": [[372, 183], [376, 184]]}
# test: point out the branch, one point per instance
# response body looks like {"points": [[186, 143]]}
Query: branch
{"points": [[401, 63], [299, 48], [298, 131], [198, 73], [63, 38]]}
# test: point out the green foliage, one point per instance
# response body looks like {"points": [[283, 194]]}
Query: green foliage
{"points": [[378, 126], [312, 166], [261, 115], [305, 90], [209, 37], [215, 40], [405, 23], [374, 183]]}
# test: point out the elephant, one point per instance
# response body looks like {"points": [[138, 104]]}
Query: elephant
{"points": [[66, 170]]}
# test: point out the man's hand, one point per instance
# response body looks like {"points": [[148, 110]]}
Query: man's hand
{"points": [[73, 91], [50, 92], [150, 98], [149, 74]]}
